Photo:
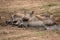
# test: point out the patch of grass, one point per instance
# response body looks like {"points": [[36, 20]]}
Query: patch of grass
{"points": [[57, 31], [49, 5]]}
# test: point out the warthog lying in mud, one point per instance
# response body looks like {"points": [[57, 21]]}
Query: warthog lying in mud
{"points": [[30, 20], [46, 23]]}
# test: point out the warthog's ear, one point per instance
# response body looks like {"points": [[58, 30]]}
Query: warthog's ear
{"points": [[26, 12], [31, 13]]}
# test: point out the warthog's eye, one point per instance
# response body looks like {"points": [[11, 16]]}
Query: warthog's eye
{"points": [[14, 21], [25, 19]]}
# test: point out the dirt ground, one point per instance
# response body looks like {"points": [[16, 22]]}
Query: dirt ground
{"points": [[15, 33]]}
